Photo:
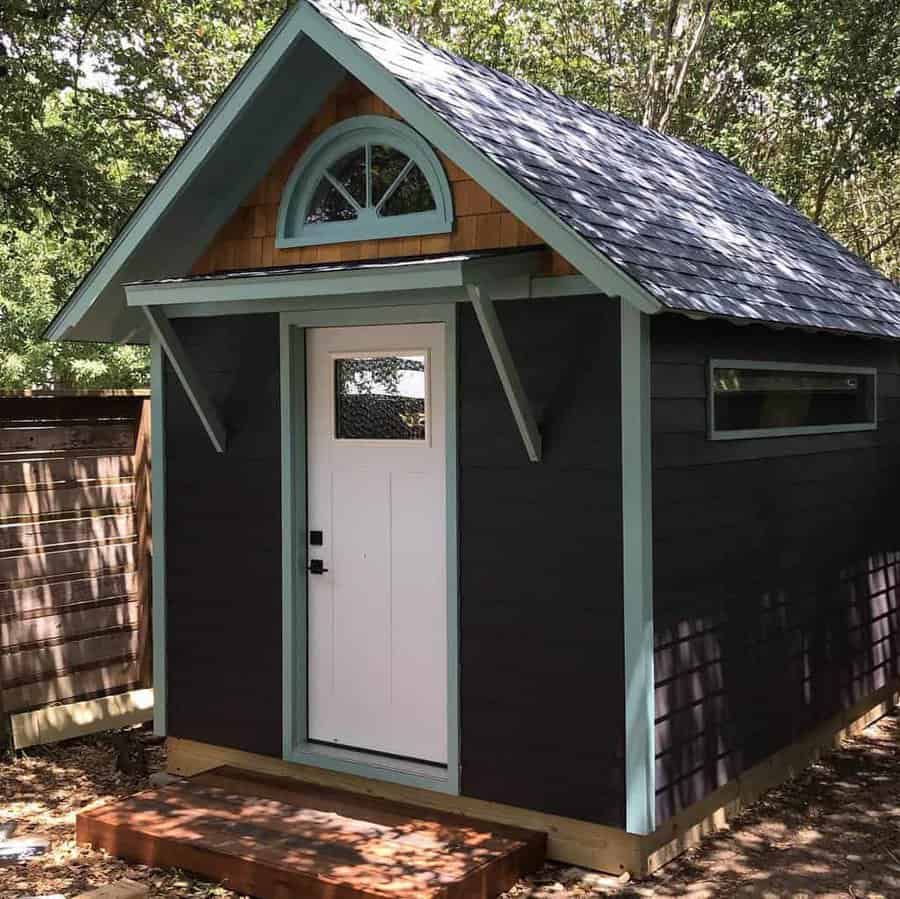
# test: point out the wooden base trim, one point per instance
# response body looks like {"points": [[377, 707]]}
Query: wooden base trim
{"points": [[574, 842], [75, 719], [594, 846], [688, 827]]}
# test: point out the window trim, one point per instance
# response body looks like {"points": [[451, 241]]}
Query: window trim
{"points": [[293, 231], [801, 430]]}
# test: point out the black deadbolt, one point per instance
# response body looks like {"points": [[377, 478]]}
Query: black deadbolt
{"points": [[316, 538]]}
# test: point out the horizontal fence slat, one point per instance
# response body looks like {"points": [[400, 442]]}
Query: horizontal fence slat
{"points": [[120, 674], [45, 536], [69, 408], [23, 570], [71, 471], [35, 503], [32, 665], [108, 436], [20, 635], [44, 599]]}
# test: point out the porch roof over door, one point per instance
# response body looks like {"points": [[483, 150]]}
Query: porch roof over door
{"points": [[439, 279], [477, 278]]}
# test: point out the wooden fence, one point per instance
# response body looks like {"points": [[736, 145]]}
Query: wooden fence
{"points": [[74, 547]]}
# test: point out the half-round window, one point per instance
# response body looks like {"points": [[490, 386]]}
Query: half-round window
{"points": [[365, 178]]}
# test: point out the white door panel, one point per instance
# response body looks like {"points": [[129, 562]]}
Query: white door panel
{"points": [[377, 657]]}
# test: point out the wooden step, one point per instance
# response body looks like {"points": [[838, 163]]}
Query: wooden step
{"points": [[276, 838]]}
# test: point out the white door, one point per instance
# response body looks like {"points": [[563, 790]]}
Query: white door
{"points": [[377, 655]]}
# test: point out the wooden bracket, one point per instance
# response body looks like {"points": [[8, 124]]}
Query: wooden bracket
{"points": [[506, 369], [191, 383]]}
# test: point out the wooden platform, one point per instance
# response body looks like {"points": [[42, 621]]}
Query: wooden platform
{"points": [[279, 838]]}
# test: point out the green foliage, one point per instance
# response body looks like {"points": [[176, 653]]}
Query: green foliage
{"points": [[96, 95]]}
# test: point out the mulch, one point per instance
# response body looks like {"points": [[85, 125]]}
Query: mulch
{"points": [[834, 831]]}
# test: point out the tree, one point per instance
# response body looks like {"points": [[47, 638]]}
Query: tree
{"points": [[95, 97]]}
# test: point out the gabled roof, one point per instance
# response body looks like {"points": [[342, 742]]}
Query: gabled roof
{"points": [[663, 224]]}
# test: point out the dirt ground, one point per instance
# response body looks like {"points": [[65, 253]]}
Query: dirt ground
{"points": [[834, 831]]}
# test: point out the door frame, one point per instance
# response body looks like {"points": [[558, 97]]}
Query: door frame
{"points": [[296, 746]]}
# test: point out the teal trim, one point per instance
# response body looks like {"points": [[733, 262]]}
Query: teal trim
{"points": [[295, 745], [158, 526], [605, 274], [506, 370], [454, 756], [343, 138], [208, 414], [351, 301], [637, 572], [293, 534]]}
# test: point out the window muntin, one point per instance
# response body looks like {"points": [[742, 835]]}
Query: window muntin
{"points": [[762, 399], [364, 179], [371, 177], [381, 396], [409, 193]]}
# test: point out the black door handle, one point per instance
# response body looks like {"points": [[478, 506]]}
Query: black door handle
{"points": [[317, 566]]}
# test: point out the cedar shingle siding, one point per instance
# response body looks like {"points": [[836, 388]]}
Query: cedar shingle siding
{"points": [[248, 239]]}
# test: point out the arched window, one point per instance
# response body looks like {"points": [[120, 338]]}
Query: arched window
{"points": [[365, 178]]}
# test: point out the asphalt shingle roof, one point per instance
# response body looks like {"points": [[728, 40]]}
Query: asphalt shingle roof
{"points": [[697, 232]]}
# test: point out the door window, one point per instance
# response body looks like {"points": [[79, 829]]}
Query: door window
{"points": [[381, 397]]}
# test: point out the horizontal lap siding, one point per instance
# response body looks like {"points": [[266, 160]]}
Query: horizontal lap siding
{"points": [[542, 704], [223, 540], [775, 561], [74, 548]]}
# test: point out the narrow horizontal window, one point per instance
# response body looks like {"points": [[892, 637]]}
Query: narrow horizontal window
{"points": [[760, 399]]}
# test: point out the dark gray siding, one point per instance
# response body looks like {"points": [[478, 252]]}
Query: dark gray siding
{"points": [[776, 561], [540, 548], [223, 540]]}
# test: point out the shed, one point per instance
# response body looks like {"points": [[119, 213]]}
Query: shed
{"points": [[510, 458]]}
